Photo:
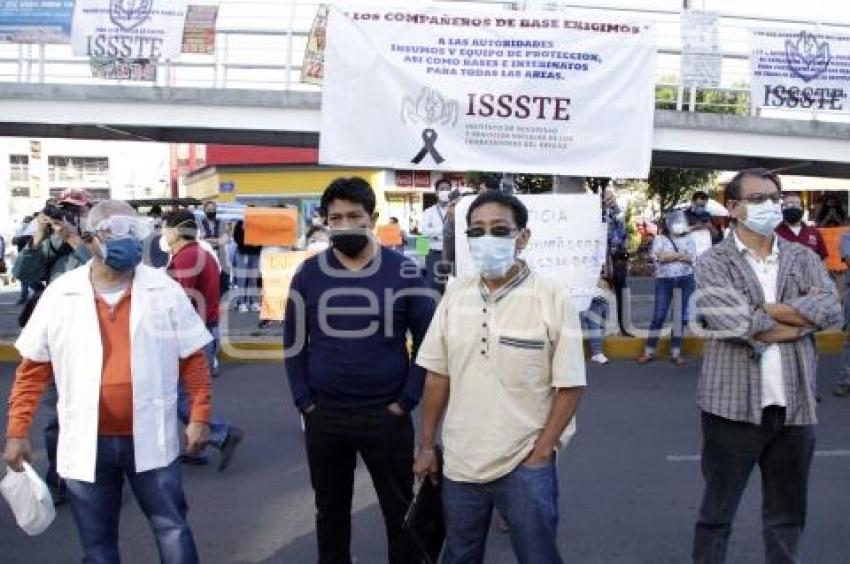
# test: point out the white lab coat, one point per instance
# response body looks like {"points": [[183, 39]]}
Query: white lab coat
{"points": [[433, 221], [64, 331]]}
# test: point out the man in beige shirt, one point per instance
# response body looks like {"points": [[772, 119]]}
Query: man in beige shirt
{"points": [[505, 363]]}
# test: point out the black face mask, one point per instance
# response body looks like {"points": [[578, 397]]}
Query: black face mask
{"points": [[351, 244], [792, 215], [210, 215]]}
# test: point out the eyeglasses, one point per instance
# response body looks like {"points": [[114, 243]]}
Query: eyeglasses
{"points": [[775, 197], [499, 231]]}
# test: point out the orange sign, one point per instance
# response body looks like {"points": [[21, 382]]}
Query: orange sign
{"points": [[274, 227], [277, 270], [390, 235], [832, 239]]}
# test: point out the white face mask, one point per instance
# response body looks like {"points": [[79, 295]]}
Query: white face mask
{"points": [[318, 246], [443, 196], [493, 256], [764, 217], [163, 245], [678, 229]]}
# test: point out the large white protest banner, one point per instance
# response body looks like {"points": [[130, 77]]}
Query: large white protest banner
{"points": [[804, 69], [118, 29], [534, 92], [568, 241]]}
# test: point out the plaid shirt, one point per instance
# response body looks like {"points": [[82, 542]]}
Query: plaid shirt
{"points": [[730, 300]]}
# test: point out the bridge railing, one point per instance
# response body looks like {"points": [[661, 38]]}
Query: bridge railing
{"points": [[271, 58]]}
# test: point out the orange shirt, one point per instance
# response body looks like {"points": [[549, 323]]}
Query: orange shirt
{"points": [[116, 389]]}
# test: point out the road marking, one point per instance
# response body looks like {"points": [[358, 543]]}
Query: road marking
{"points": [[683, 458], [818, 453], [832, 453]]}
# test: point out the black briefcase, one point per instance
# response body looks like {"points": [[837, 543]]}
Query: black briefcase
{"points": [[424, 520]]}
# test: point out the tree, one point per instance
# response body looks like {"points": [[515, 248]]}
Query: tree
{"points": [[525, 183], [708, 100], [672, 185], [533, 183]]}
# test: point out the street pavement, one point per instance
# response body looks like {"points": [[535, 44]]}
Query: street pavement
{"points": [[630, 482]]}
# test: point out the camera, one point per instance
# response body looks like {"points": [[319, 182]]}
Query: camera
{"points": [[62, 212]]}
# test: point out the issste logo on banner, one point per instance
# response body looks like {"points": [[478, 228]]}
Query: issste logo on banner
{"points": [[128, 29], [129, 14]]}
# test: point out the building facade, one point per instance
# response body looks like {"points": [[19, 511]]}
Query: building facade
{"points": [[33, 170]]}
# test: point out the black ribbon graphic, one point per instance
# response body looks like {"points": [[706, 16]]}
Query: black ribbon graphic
{"points": [[429, 138]]}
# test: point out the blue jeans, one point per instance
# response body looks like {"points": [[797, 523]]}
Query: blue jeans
{"points": [[211, 349], [97, 507], [593, 321], [219, 428], [25, 292], [665, 288], [247, 273], [528, 500]]}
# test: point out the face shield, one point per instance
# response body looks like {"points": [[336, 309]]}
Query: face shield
{"points": [[118, 227]]}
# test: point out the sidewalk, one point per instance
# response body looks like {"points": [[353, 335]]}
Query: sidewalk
{"points": [[246, 325], [243, 339]]}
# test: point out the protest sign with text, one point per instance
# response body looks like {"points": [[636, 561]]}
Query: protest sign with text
{"points": [[801, 69], [568, 241], [532, 92], [199, 30]]}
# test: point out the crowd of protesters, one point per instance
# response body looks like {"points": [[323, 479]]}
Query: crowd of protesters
{"points": [[496, 361]]}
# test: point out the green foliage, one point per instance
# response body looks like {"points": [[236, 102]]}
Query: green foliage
{"points": [[632, 237], [474, 178], [533, 183], [525, 183], [674, 185], [708, 100]]}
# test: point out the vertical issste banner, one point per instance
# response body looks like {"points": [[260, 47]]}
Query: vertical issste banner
{"points": [[515, 92]]}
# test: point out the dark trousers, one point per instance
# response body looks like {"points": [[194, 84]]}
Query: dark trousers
{"points": [[730, 451], [51, 439], [97, 506], [385, 443], [436, 271], [619, 280]]}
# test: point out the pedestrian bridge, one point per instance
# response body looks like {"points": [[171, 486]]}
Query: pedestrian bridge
{"points": [[249, 92]]}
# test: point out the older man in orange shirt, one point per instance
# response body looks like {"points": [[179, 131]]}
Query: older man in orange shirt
{"points": [[118, 338]]}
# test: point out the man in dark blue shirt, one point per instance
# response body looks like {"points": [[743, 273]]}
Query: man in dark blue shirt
{"points": [[347, 318]]}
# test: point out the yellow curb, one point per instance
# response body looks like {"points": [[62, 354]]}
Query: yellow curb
{"points": [[829, 342]]}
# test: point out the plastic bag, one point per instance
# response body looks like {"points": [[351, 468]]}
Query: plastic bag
{"points": [[30, 500]]}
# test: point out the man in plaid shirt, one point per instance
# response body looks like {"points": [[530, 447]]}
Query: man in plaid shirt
{"points": [[762, 299]]}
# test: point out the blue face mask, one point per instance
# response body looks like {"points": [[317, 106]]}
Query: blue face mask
{"points": [[122, 255], [763, 218], [493, 256]]}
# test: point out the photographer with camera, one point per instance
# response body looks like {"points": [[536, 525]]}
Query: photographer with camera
{"points": [[56, 248]]}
